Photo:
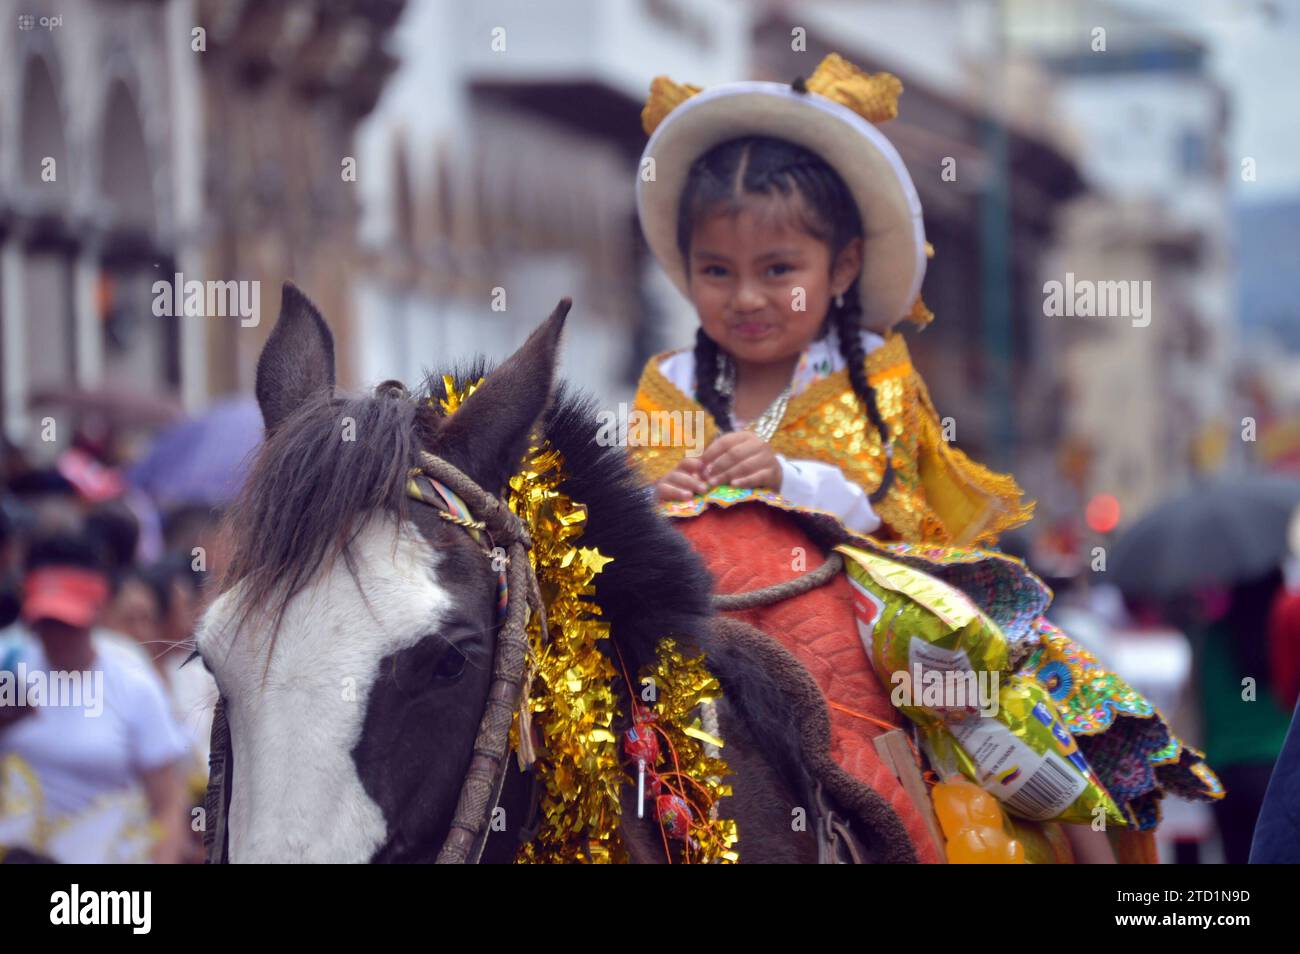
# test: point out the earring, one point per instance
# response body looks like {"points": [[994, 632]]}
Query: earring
{"points": [[839, 301]]}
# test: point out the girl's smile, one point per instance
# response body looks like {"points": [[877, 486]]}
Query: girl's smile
{"points": [[761, 286], [752, 330]]}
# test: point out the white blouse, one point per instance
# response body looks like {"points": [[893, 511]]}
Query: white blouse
{"points": [[808, 483]]}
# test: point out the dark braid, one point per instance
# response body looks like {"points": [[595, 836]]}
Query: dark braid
{"points": [[848, 329], [762, 165], [706, 381]]}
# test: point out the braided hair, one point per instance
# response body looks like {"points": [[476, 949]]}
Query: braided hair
{"points": [[718, 181]]}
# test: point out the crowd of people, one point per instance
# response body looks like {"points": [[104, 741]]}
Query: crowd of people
{"points": [[104, 731]]}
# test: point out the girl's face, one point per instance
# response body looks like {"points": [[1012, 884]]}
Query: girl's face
{"points": [[762, 286]]}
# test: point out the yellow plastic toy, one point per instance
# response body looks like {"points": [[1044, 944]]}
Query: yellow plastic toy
{"points": [[972, 824]]}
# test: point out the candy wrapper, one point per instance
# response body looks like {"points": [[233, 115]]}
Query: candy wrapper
{"points": [[926, 639], [947, 665], [1024, 757]]}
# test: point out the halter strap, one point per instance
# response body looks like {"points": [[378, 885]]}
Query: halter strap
{"points": [[511, 670], [454, 510]]}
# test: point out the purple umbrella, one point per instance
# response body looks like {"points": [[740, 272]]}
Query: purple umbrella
{"points": [[203, 460]]}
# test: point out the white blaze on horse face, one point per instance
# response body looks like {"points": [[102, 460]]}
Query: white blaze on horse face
{"points": [[296, 794]]}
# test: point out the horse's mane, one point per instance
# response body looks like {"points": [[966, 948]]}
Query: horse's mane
{"points": [[308, 490]]}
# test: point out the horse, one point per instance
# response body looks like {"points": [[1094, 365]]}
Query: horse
{"points": [[357, 643]]}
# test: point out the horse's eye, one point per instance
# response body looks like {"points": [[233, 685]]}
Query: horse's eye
{"points": [[451, 663]]}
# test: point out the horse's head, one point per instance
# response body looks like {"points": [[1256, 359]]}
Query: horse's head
{"points": [[353, 639]]}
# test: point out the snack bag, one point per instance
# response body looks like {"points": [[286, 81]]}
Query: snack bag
{"points": [[947, 664], [1024, 757], [926, 639]]}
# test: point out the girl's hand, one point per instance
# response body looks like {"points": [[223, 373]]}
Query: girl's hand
{"points": [[684, 482], [741, 459]]}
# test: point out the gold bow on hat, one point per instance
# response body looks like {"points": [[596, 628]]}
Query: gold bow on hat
{"points": [[873, 96]]}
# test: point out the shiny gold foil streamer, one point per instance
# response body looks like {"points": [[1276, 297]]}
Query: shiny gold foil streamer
{"points": [[572, 698], [682, 684]]}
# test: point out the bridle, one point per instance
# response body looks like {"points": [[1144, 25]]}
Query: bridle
{"points": [[459, 500]]}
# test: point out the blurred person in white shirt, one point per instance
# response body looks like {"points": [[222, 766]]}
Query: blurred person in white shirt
{"points": [[99, 769]]}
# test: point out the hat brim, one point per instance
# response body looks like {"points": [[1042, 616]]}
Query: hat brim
{"points": [[68, 595], [894, 234], [62, 608]]}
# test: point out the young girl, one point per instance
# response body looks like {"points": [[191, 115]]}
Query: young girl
{"points": [[797, 267], [792, 226]]}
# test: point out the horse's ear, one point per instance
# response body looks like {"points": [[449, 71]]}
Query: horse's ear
{"points": [[488, 434], [298, 360]]}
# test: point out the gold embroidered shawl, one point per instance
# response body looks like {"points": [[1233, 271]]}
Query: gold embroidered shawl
{"points": [[939, 495]]}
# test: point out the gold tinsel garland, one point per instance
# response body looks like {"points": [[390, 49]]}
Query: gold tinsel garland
{"points": [[572, 698], [682, 685]]}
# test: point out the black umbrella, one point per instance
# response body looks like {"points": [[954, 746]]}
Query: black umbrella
{"points": [[1224, 531]]}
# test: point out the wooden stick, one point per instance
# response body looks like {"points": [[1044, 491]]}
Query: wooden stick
{"points": [[897, 754]]}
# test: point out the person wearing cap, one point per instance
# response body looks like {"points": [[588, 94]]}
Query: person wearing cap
{"points": [[97, 747], [790, 223]]}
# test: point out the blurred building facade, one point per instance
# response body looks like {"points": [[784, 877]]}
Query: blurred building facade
{"points": [[1267, 239], [205, 140], [1148, 401], [437, 175], [93, 196], [511, 135]]}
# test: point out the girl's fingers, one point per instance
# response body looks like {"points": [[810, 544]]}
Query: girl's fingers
{"points": [[760, 477], [746, 460], [721, 446], [733, 461], [690, 479], [668, 491], [681, 486]]}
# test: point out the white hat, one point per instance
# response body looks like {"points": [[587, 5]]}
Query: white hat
{"points": [[834, 119]]}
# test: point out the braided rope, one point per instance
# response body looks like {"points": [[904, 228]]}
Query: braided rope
{"points": [[481, 788], [462, 521], [497, 517], [767, 595]]}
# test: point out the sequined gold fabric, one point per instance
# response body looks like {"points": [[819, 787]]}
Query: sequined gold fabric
{"points": [[939, 495]]}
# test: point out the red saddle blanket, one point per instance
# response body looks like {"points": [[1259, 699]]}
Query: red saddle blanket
{"points": [[751, 546]]}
